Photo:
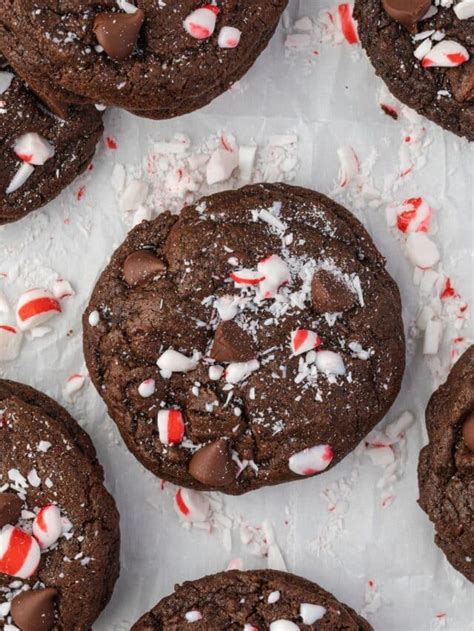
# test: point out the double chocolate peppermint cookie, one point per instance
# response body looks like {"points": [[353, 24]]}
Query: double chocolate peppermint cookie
{"points": [[423, 50], [254, 339], [446, 467], [160, 59], [258, 600], [41, 153], [59, 528]]}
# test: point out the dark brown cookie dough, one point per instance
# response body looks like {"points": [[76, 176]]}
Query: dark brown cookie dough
{"points": [[246, 410], [72, 141], [47, 459], [168, 71], [259, 600], [446, 467], [444, 95]]}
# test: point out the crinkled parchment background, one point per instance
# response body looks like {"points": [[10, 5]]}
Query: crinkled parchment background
{"points": [[332, 529]]}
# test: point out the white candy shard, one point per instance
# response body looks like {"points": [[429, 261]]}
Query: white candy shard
{"points": [[311, 613], [330, 363], [73, 385], [10, 342], [47, 526], [191, 505], [134, 195], [215, 372], [94, 318], [227, 306], [273, 597], [275, 272], [239, 371], [174, 361], [6, 79], [311, 460], [247, 155], [446, 54], [464, 9], [432, 339], [284, 625], [62, 289], [422, 251], [193, 616], [229, 37], [33, 149], [4, 304], [20, 177], [35, 307], [349, 165], [221, 165]]}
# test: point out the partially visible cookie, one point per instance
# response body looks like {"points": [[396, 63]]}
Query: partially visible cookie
{"points": [[41, 153], [446, 466], [423, 50], [52, 499], [157, 59], [252, 340], [259, 600]]}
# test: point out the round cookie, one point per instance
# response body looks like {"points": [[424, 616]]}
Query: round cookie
{"points": [[446, 466], [41, 154], [163, 60], [433, 76], [251, 601], [52, 498], [254, 339]]}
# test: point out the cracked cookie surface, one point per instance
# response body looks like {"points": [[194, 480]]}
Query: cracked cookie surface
{"points": [[444, 95], [254, 339], [47, 460], [253, 600], [446, 466]]}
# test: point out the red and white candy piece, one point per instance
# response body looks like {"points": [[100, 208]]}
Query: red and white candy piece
{"points": [[311, 613], [345, 22], [239, 371], [303, 341], [170, 427], [250, 627], [47, 526], [191, 505], [414, 215], [174, 361], [247, 277], [36, 307], [275, 274], [422, 251], [229, 37], [24, 172], [311, 460], [10, 342], [33, 149], [19, 553], [330, 363], [201, 23], [445, 54], [147, 388], [284, 625], [62, 289]]}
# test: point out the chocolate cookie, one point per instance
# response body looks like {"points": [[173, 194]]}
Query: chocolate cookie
{"points": [[156, 59], [59, 528], [424, 53], [252, 340], [446, 467], [258, 600], [41, 154]]}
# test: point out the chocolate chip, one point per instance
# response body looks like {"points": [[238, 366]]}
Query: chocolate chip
{"points": [[118, 33], [141, 266], [462, 82], [468, 432], [329, 294], [406, 12], [212, 465], [34, 610], [232, 344], [10, 509]]}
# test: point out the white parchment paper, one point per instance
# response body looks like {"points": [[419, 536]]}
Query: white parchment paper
{"points": [[339, 529]]}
